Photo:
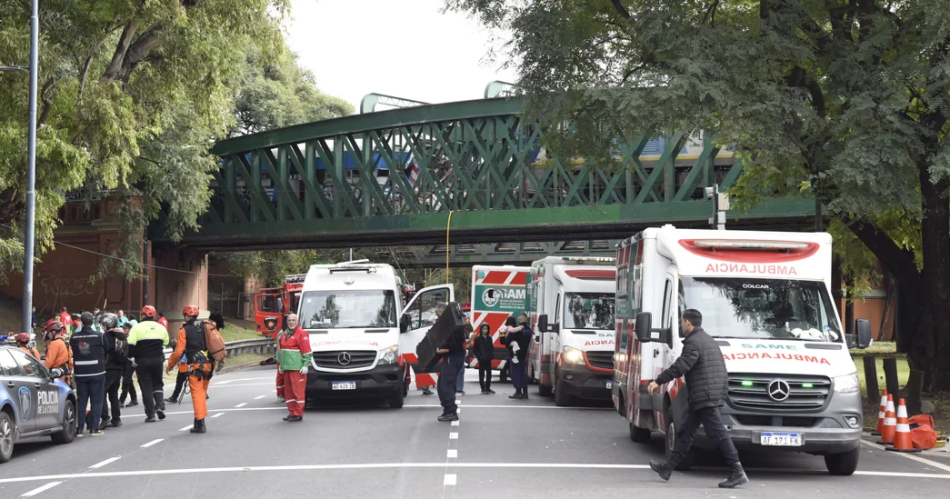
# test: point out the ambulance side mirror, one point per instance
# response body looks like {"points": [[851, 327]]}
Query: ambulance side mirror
{"points": [[543, 323], [644, 329], [862, 329]]}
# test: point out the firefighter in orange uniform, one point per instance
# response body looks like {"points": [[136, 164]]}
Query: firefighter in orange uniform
{"points": [[58, 353], [191, 342], [293, 354], [23, 341]]}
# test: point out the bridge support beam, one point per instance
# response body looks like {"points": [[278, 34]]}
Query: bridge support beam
{"points": [[178, 278]]}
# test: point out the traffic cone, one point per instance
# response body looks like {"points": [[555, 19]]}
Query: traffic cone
{"points": [[902, 440], [890, 423], [880, 415]]}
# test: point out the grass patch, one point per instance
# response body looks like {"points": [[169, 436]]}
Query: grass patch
{"points": [[240, 330], [882, 348], [903, 372], [941, 401]]}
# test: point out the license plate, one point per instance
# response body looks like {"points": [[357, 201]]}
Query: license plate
{"points": [[610, 384], [782, 439], [344, 385]]}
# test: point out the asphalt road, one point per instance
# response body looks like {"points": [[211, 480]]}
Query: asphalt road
{"points": [[500, 448]]}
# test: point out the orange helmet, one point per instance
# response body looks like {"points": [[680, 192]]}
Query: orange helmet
{"points": [[149, 311], [23, 338], [190, 311], [53, 325]]}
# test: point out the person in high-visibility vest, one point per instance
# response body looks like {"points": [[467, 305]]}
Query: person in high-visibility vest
{"points": [[293, 353], [191, 342]]}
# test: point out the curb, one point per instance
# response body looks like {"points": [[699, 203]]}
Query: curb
{"points": [[226, 369]]}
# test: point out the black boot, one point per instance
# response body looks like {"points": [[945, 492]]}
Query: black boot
{"points": [[524, 393], [199, 426], [517, 395], [662, 469], [736, 478]]}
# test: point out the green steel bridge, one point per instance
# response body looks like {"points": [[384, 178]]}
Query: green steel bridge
{"points": [[468, 178]]}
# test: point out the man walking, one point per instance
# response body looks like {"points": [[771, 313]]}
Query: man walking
{"points": [[707, 381], [147, 340], [484, 350], [89, 361], [191, 344]]}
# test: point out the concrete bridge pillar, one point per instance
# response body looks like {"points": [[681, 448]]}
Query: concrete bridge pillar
{"points": [[177, 278]]}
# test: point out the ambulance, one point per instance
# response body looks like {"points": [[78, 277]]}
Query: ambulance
{"points": [[362, 337], [766, 298], [498, 292], [571, 309]]}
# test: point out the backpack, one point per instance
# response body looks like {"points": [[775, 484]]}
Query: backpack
{"points": [[217, 350]]}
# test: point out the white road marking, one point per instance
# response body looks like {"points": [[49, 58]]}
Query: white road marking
{"points": [[259, 397], [375, 466], [455, 423], [218, 414], [450, 480], [153, 442], [107, 461], [478, 406], [453, 436], [186, 428], [41, 489], [452, 454], [242, 404], [224, 382], [244, 384], [928, 462]]}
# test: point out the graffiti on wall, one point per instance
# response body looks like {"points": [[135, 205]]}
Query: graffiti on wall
{"points": [[57, 288]]}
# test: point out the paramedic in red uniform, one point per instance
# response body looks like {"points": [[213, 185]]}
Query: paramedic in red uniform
{"points": [[293, 354]]}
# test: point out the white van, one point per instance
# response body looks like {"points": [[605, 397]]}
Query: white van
{"points": [[766, 298], [362, 338], [571, 307]]}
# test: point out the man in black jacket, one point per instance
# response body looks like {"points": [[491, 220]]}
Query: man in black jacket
{"points": [[453, 358], [89, 361], [484, 349], [707, 382], [117, 356]]}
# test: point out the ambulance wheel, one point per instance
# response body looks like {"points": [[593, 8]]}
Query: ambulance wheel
{"points": [[544, 390], [7, 431], [69, 425], [561, 397], [639, 435], [843, 464], [397, 398], [670, 443]]}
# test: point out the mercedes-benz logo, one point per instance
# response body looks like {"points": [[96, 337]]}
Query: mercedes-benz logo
{"points": [[344, 358], [779, 390]]}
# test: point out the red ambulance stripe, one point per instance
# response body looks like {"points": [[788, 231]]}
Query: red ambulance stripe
{"points": [[496, 277], [751, 256], [592, 274]]}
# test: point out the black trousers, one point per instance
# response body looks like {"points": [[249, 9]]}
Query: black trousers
{"points": [[150, 379], [179, 384], [113, 380], [484, 374], [716, 432], [128, 388], [448, 378]]}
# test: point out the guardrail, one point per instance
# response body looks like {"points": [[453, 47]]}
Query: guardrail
{"points": [[242, 347]]}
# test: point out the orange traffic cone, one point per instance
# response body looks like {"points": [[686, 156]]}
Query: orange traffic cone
{"points": [[880, 415], [902, 440], [890, 423]]}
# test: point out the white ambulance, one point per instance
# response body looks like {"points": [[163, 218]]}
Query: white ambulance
{"points": [[766, 298], [362, 337], [571, 309], [498, 292]]}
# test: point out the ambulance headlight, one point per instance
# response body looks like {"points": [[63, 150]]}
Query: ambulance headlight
{"points": [[573, 355], [847, 383], [389, 355]]}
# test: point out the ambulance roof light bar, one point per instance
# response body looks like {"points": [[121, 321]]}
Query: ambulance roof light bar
{"points": [[597, 259], [740, 244]]}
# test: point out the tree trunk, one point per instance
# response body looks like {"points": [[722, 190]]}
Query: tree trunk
{"points": [[931, 345]]}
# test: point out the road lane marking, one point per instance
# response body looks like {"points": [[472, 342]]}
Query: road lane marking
{"points": [[107, 461], [928, 462], [376, 466], [41, 489], [242, 404], [244, 384], [450, 480], [480, 406], [186, 428], [455, 423], [453, 436], [224, 382], [259, 397], [153, 442], [218, 414], [452, 454]]}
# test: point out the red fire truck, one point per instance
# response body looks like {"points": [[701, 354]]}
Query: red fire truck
{"points": [[272, 304]]}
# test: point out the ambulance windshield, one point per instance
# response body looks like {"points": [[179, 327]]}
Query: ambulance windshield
{"points": [[348, 309], [589, 311], [777, 309]]}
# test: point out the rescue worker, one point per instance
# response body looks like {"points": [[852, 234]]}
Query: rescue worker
{"points": [[65, 318], [147, 339], [23, 341], [117, 356], [162, 320], [293, 352], [128, 387], [89, 358], [58, 354], [191, 343]]}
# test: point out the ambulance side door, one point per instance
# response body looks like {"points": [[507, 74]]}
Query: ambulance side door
{"points": [[423, 311]]}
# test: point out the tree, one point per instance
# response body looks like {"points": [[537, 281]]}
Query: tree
{"points": [[845, 99], [131, 96]]}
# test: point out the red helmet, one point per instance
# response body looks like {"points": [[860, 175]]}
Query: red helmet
{"points": [[190, 311], [53, 325], [22, 338], [149, 311]]}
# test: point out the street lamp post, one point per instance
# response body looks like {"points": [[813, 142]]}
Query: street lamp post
{"points": [[31, 172]]}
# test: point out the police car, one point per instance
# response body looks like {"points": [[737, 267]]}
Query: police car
{"points": [[33, 402]]}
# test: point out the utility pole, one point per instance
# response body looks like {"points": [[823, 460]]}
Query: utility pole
{"points": [[720, 205], [31, 172]]}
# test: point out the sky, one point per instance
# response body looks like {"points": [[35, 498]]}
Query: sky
{"points": [[403, 48]]}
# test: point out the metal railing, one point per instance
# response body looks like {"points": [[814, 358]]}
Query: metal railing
{"points": [[242, 347]]}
